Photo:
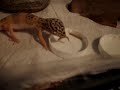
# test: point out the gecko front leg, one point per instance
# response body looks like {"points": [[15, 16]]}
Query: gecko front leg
{"points": [[41, 38], [9, 30]]}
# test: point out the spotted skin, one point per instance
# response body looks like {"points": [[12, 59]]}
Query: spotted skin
{"points": [[55, 26], [52, 25]]}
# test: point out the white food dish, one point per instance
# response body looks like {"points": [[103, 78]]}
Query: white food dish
{"points": [[109, 45], [66, 48]]}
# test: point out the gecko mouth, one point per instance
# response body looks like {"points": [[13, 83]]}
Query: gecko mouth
{"points": [[62, 38], [67, 38]]}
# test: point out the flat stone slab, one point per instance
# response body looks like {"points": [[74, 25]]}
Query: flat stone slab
{"points": [[28, 63]]}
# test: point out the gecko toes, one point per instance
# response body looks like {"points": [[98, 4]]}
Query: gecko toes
{"points": [[14, 40]]}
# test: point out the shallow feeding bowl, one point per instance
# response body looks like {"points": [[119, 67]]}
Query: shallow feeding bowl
{"points": [[68, 48], [109, 45]]}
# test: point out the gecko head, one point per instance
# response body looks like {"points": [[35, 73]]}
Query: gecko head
{"points": [[56, 27]]}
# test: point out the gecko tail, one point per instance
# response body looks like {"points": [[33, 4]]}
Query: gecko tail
{"points": [[1, 27]]}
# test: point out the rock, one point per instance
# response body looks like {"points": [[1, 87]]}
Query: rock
{"points": [[23, 5], [105, 12]]}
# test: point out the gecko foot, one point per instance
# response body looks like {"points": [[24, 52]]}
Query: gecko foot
{"points": [[14, 40], [46, 48]]}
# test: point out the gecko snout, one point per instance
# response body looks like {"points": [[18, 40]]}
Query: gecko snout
{"points": [[63, 37], [67, 38]]}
